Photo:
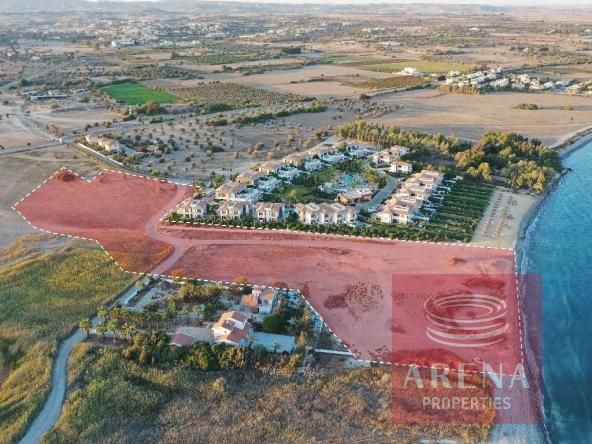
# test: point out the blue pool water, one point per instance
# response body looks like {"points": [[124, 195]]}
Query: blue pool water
{"points": [[558, 245]]}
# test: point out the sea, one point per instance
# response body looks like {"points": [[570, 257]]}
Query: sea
{"points": [[558, 246]]}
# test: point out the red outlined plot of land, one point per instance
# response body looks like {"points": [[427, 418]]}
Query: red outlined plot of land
{"points": [[112, 208], [347, 280]]}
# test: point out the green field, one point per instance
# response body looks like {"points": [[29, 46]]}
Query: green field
{"points": [[42, 298], [138, 94]]}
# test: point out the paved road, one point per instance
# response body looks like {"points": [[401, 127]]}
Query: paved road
{"points": [[52, 408], [385, 192]]}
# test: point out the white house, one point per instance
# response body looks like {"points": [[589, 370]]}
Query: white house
{"points": [[400, 167], [232, 328], [195, 208], [233, 209], [261, 300], [270, 212], [325, 214]]}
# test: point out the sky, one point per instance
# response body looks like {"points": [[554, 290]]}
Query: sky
{"points": [[557, 3]]}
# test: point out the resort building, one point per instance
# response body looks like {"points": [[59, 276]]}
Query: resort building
{"points": [[312, 165], [229, 190], [195, 208], [232, 328], [288, 173], [385, 157], [104, 142], [271, 167], [270, 212], [233, 209], [325, 214], [354, 195], [333, 157], [400, 167], [402, 206], [268, 184], [249, 177]]}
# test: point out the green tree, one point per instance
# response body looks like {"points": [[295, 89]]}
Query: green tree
{"points": [[85, 325]]}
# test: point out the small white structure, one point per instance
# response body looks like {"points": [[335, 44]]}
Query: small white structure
{"points": [[232, 328]]}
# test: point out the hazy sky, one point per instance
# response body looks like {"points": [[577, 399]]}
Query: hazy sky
{"points": [[558, 3]]}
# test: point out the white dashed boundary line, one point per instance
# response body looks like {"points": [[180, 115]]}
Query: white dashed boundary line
{"points": [[308, 304]]}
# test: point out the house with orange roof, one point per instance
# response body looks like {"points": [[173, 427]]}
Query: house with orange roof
{"points": [[232, 328]]}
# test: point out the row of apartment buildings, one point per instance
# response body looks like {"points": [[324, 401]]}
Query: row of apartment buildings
{"points": [[402, 206]]}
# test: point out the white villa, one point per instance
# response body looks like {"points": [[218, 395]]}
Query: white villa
{"points": [[400, 167], [229, 190], [233, 209], [232, 328], [325, 214], [385, 157], [402, 206], [270, 212], [261, 300], [195, 208]]}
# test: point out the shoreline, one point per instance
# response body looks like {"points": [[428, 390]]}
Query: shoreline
{"points": [[526, 224]]}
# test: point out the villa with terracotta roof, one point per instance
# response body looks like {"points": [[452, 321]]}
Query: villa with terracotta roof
{"points": [[250, 177], [232, 328], [261, 300], [229, 190]]}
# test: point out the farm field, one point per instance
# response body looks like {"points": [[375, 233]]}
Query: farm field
{"points": [[50, 293], [229, 96], [391, 82], [424, 66], [138, 94]]}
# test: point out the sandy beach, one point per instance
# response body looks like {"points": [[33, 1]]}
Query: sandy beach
{"points": [[501, 224]]}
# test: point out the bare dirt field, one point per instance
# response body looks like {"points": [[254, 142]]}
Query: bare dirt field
{"points": [[112, 208], [21, 172], [71, 115], [17, 129], [349, 281], [298, 81], [469, 116]]}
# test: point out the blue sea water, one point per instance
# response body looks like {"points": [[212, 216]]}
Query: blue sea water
{"points": [[558, 246]]}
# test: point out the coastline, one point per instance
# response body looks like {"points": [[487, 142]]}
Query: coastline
{"points": [[528, 223]]}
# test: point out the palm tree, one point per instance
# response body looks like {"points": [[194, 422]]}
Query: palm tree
{"points": [[275, 346], [185, 310], [113, 327], [101, 328], [85, 325], [198, 310], [102, 312], [251, 340]]}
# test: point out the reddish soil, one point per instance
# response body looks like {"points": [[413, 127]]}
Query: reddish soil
{"points": [[349, 281], [112, 208]]}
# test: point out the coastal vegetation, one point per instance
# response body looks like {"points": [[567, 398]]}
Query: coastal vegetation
{"points": [[50, 293], [524, 163], [392, 82], [527, 106], [118, 400], [137, 94]]}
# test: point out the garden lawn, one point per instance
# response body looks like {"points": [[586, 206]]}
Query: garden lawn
{"points": [[42, 299], [138, 94]]}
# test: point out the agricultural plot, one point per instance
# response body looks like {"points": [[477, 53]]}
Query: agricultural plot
{"points": [[224, 59], [425, 66], [230, 96], [138, 94], [460, 212], [391, 82]]}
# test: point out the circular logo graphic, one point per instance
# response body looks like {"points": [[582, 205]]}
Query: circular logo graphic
{"points": [[466, 320]]}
